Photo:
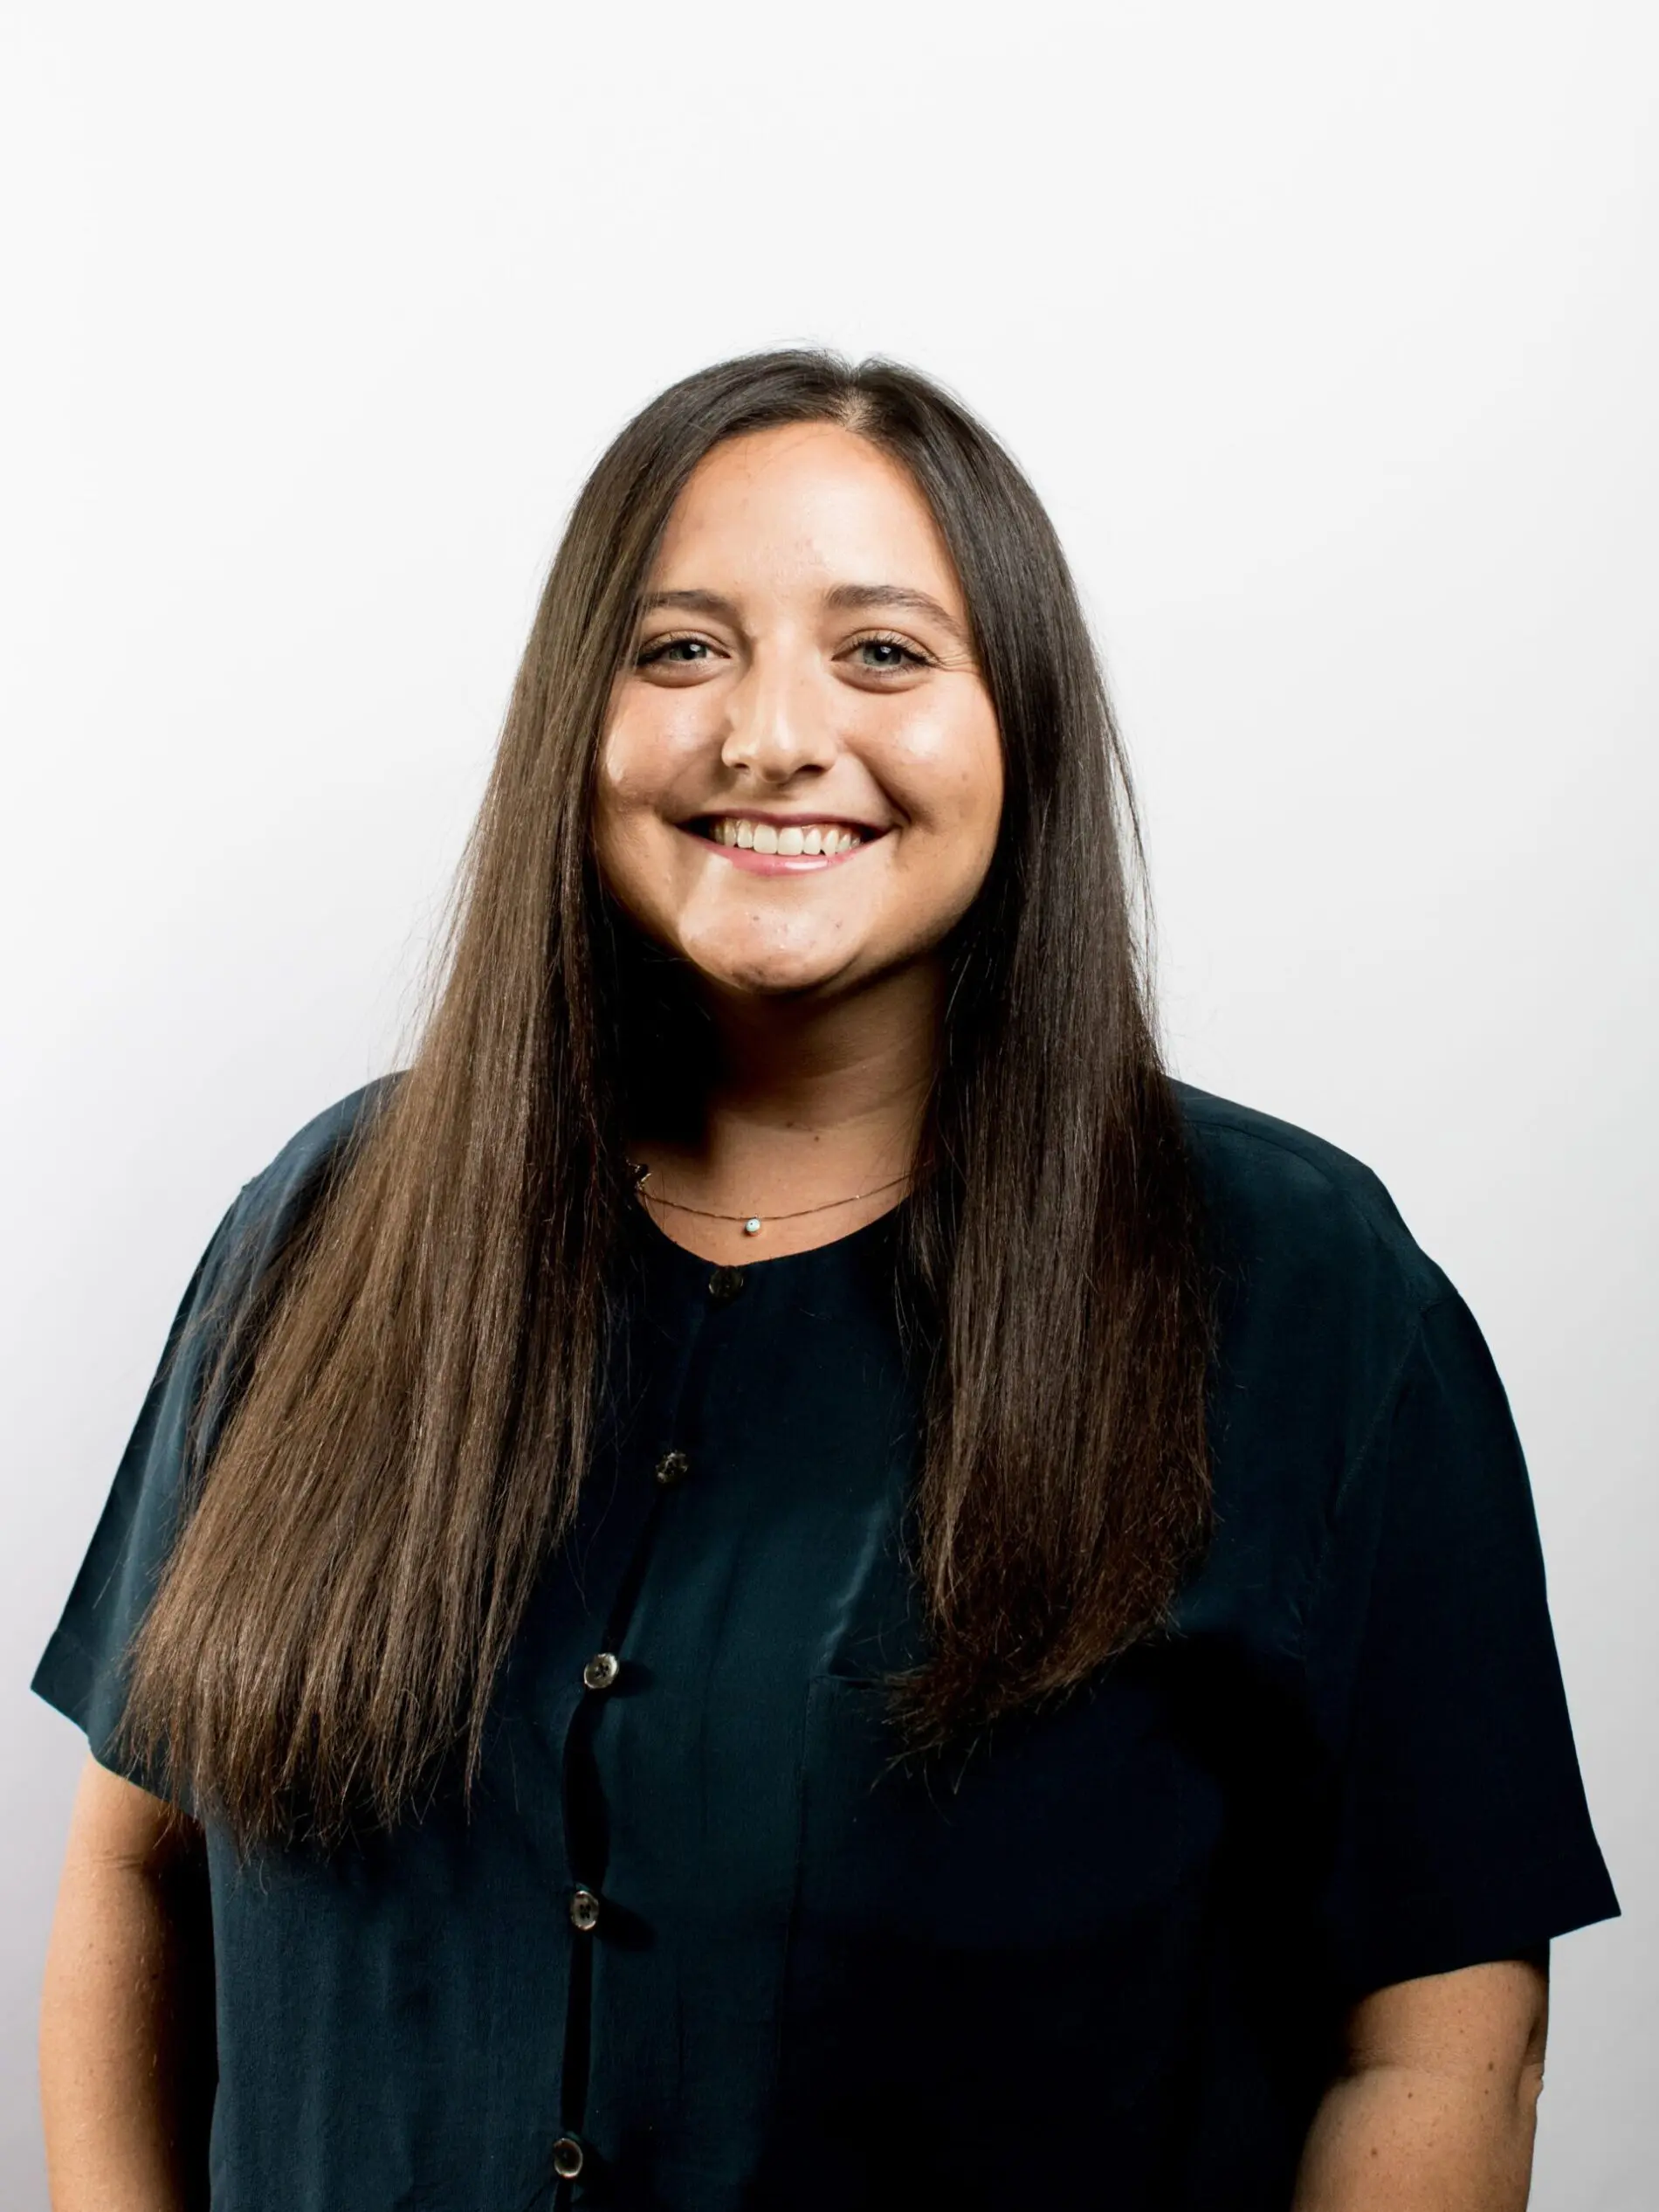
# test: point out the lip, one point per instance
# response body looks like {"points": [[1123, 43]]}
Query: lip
{"points": [[779, 864]]}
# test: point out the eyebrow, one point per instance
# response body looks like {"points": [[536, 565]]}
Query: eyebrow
{"points": [[855, 598], [695, 602], [842, 598]]}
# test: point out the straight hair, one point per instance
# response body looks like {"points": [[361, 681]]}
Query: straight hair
{"points": [[409, 1397]]}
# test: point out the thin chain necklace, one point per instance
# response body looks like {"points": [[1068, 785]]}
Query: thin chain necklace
{"points": [[754, 1224]]}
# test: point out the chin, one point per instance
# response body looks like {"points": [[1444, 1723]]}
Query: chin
{"points": [[776, 980], [752, 964], [771, 972]]}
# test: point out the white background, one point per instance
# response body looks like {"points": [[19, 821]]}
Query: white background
{"points": [[1328, 334]]}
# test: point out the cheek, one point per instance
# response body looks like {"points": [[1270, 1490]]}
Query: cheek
{"points": [[945, 771], [632, 777], [642, 772], [632, 764], [611, 807]]}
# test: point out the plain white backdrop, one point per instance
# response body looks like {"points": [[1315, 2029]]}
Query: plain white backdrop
{"points": [[1329, 335]]}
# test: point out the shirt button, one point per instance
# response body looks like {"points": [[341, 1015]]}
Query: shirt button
{"points": [[671, 1466], [567, 2158], [584, 1911], [725, 1283], [602, 1670]]}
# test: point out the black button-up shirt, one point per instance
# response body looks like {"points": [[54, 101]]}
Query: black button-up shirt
{"points": [[702, 1946]]}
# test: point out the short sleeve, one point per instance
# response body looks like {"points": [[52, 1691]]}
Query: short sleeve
{"points": [[82, 1673], [1463, 1831]]}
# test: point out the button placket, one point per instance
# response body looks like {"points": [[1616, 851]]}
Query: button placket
{"points": [[585, 1910]]}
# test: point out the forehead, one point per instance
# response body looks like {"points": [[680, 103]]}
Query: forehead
{"points": [[804, 505]]}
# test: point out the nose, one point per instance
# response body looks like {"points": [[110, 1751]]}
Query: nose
{"points": [[777, 727]]}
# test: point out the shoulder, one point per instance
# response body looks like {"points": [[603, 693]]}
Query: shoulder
{"points": [[1286, 1201], [271, 1204], [307, 1155], [1321, 1296]]}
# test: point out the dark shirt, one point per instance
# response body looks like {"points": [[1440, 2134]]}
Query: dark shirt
{"points": [[701, 1937]]}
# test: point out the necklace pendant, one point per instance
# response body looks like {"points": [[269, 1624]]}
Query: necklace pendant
{"points": [[752, 1226]]}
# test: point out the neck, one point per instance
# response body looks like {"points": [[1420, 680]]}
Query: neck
{"points": [[808, 1104]]}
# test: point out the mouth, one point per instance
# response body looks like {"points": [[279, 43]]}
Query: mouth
{"points": [[781, 845]]}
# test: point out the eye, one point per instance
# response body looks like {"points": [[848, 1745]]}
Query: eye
{"points": [[882, 655], [674, 652]]}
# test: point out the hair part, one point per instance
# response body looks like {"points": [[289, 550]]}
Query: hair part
{"points": [[363, 1528]]}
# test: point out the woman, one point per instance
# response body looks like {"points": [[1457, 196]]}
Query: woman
{"points": [[782, 1576]]}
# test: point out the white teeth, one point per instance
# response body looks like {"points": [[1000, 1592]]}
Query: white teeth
{"points": [[789, 841]]}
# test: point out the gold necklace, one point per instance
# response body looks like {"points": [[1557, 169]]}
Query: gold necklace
{"points": [[754, 1224]]}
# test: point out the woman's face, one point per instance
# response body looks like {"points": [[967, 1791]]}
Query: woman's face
{"points": [[801, 777]]}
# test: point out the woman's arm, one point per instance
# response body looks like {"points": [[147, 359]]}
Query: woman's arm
{"points": [[1435, 2107], [126, 2054]]}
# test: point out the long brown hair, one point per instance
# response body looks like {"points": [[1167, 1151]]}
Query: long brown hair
{"points": [[407, 1435]]}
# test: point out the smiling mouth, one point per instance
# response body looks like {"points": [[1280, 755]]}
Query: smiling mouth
{"points": [[772, 847]]}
